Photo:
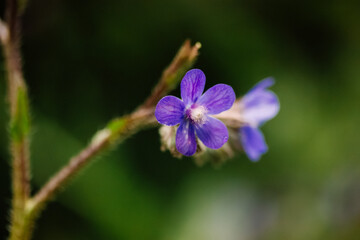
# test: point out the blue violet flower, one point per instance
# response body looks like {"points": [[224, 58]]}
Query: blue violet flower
{"points": [[257, 106], [193, 112]]}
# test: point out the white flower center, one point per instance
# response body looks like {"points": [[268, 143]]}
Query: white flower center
{"points": [[197, 114]]}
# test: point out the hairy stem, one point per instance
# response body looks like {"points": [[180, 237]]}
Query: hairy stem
{"points": [[19, 118], [171, 76], [116, 131], [25, 209]]}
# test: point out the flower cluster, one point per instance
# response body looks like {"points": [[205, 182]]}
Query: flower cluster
{"points": [[201, 117], [194, 111]]}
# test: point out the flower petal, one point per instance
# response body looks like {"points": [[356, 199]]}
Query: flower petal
{"points": [[218, 98], [192, 86], [260, 104], [213, 133], [185, 139], [169, 110], [259, 88], [263, 84], [253, 142]]}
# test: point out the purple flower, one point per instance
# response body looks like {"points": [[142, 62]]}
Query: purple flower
{"points": [[259, 105], [193, 113]]}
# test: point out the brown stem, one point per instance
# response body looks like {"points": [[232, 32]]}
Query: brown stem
{"points": [[118, 129], [182, 61], [19, 121], [12, 53], [121, 128], [100, 142], [21, 189], [25, 210], [65, 174]]}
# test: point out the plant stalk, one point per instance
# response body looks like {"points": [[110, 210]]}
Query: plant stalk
{"points": [[19, 119], [29, 209]]}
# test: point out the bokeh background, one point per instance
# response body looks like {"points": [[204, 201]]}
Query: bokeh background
{"points": [[88, 61]]}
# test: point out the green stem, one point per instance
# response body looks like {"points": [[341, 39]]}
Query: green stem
{"points": [[25, 210], [119, 129], [20, 190], [19, 119], [115, 132], [19, 141], [19, 137]]}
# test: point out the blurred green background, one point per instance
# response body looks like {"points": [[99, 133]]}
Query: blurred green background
{"points": [[88, 61]]}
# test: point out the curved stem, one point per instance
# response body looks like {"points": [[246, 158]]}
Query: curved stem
{"points": [[25, 210], [120, 128], [116, 131]]}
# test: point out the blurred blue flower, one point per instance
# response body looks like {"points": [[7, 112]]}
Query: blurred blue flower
{"points": [[258, 106], [192, 113]]}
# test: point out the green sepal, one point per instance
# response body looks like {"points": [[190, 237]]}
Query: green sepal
{"points": [[20, 123]]}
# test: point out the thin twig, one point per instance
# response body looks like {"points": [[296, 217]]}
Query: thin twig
{"points": [[19, 117], [183, 60], [25, 210], [101, 141], [118, 129]]}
